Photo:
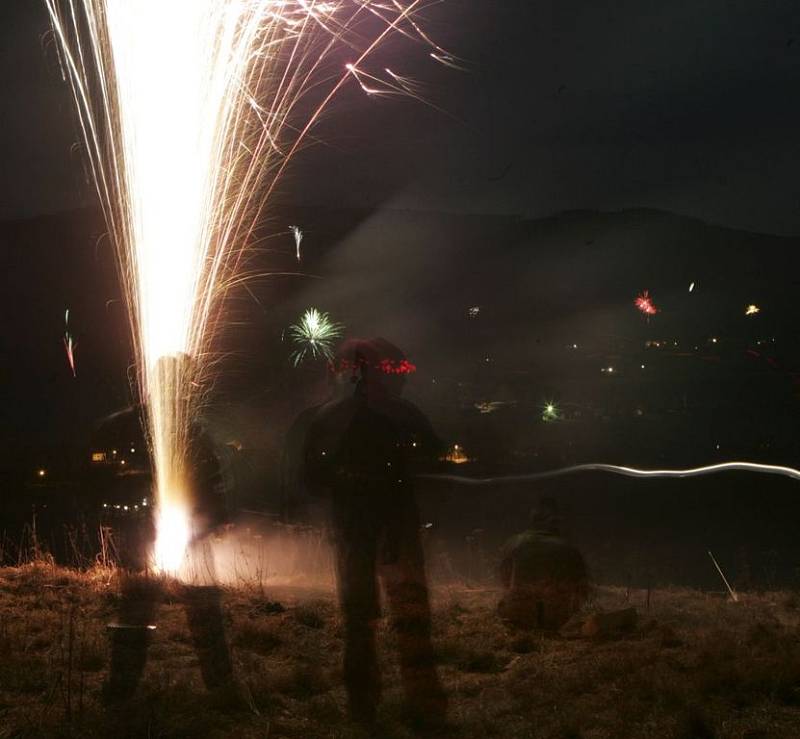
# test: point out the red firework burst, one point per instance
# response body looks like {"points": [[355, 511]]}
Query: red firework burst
{"points": [[645, 304]]}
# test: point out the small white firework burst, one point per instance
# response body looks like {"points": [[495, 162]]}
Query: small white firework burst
{"points": [[313, 336]]}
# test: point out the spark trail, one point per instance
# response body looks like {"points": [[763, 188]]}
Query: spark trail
{"points": [[298, 239], [189, 111], [69, 344], [769, 469]]}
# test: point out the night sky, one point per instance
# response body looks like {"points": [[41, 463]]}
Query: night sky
{"points": [[688, 106]]}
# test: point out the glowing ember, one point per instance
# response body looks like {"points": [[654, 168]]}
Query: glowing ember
{"points": [[645, 304], [190, 111]]}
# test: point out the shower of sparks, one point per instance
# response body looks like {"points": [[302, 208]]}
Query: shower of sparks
{"points": [[189, 111], [313, 336], [752, 310], [298, 238], [69, 344], [768, 469], [645, 304]]}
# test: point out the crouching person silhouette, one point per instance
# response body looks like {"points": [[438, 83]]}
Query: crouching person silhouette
{"points": [[363, 450], [545, 578], [201, 596]]}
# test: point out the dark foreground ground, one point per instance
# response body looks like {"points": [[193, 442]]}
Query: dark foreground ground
{"points": [[695, 666]]}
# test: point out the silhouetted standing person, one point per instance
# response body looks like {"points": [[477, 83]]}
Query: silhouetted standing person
{"points": [[363, 451]]}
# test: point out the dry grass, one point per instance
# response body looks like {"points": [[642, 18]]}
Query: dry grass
{"points": [[696, 666]]}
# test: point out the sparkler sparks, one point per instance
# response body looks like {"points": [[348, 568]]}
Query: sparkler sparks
{"points": [[313, 335], [189, 111], [645, 304]]}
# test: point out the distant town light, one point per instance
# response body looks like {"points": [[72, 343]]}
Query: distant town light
{"points": [[41, 472], [455, 455]]}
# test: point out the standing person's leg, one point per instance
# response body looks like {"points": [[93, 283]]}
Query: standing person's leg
{"points": [[203, 602], [355, 543], [403, 573], [130, 635]]}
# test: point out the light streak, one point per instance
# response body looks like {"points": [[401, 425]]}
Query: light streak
{"points": [[734, 596], [69, 344], [769, 469], [190, 111]]}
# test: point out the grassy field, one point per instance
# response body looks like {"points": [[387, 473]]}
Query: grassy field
{"points": [[695, 666]]}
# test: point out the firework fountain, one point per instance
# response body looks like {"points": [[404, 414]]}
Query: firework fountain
{"points": [[190, 110]]}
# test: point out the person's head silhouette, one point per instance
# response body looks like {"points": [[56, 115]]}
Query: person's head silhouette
{"points": [[377, 367]]}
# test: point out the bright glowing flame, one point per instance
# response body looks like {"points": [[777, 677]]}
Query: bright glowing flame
{"points": [[172, 525], [751, 310], [190, 110]]}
